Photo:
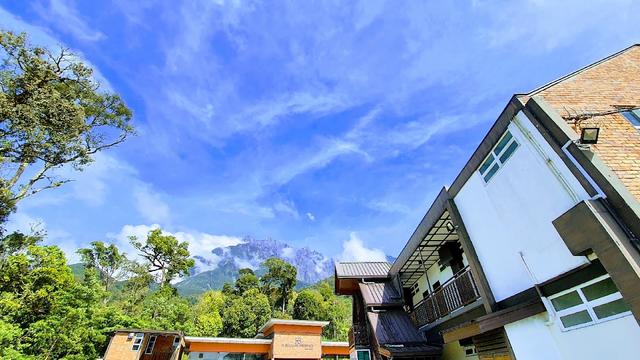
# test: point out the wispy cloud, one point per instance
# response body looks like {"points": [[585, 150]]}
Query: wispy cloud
{"points": [[63, 14]]}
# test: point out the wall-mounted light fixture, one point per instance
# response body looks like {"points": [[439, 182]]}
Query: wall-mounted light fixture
{"points": [[450, 226], [589, 135]]}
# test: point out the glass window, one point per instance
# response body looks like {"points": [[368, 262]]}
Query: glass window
{"points": [[507, 153], [137, 341], [610, 309], [589, 303], [364, 355], [151, 344], [633, 116], [566, 301], [502, 143], [581, 317], [503, 150], [601, 288], [486, 164]]}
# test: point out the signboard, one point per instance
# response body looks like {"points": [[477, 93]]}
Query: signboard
{"points": [[297, 346]]}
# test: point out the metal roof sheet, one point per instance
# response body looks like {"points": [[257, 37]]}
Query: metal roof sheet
{"points": [[394, 327], [381, 294], [377, 269]]}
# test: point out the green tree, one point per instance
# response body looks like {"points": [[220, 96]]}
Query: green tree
{"points": [[279, 281], [247, 280], [165, 255], [245, 314], [309, 305], [207, 314], [164, 309], [106, 259], [15, 243], [53, 114]]}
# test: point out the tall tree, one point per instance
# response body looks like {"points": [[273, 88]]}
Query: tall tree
{"points": [[166, 256], [207, 314], [309, 305], [52, 113], [279, 280], [247, 280], [106, 259], [245, 314]]}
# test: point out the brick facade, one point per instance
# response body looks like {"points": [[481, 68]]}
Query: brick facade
{"points": [[605, 86]]}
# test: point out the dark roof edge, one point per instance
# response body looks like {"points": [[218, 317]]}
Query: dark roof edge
{"points": [[433, 214], [582, 69], [486, 145], [150, 331]]}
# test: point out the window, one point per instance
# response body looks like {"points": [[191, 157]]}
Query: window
{"points": [[363, 355], [151, 344], [176, 342], [498, 156], [414, 289], [593, 302], [470, 351], [633, 116], [137, 341]]}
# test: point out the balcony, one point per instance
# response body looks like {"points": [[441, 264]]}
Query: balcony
{"points": [[358, 336], [454, 294]]}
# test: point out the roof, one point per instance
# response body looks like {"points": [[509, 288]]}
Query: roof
{"points": [[397, 336], [335, 343], [150, 331], [393, 327], [381, 294], [223, 340], [357, 270], [273, 322]]}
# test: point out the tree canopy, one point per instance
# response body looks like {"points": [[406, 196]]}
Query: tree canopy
{"points": [[166, 257], [53, 114]]}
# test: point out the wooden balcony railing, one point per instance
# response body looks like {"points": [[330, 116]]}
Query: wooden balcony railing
{"points": [[457, 292], [358, 335]]}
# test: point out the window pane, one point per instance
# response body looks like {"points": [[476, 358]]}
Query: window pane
{"points": [[502, 143], [599, 289], [491, 172], [507, 153], [578, 318], [485, 165], [610, 309], [633, 117], [566, 301], [363, 355]]}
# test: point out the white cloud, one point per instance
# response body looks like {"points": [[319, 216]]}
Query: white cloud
{"points": [[150, 205], [354, 250], [64, 15], [311, 217], [288, 252], [287, 207]]}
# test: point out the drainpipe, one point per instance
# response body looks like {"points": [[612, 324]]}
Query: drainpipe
{"points": [[551, 312], [574, 161]]}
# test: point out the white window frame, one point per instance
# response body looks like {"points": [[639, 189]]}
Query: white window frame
{"points": [[415, 288], [496, 156], [137, 345], [473, 354], [587, 305], [363, 350], [176, 342], [151, 344]]}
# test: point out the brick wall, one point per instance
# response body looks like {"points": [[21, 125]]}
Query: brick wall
{"points": [[605, 86]]}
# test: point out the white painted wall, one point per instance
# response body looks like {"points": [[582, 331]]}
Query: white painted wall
{"points": [[435, 274], [513, 213], [531, 339]]}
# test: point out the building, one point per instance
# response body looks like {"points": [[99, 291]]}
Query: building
{"points": [[137, 344], [277, 339], [533, 251]]}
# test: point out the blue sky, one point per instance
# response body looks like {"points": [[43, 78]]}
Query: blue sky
{"points": [[329, 124]]}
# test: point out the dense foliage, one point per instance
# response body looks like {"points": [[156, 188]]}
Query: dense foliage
{"points": [[48, 313]]}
